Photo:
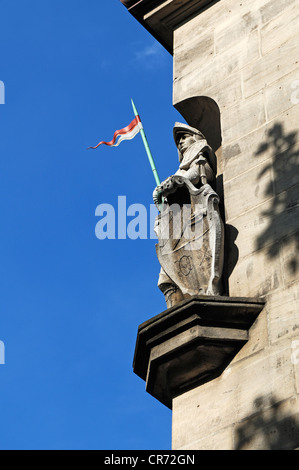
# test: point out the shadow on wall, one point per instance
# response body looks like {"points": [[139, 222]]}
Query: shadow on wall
{"points": [[282, 215], [268, 428], [231, 254]]}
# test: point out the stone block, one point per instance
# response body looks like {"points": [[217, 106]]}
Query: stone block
{"points": [[285, 166], [273, 8], [220, 440], [226, 95], [229, 93], [257, 275], [267, 224], [274, 137], [240, 155], [243, 118], [192, 51], [282, 310], [233, 397], [258, 338], [235, 29], [295, 360], [272, 426], [198, 24], [270, 68], [281, 29], [238, 201], [279, 96], [203, 75], [289, 249]]}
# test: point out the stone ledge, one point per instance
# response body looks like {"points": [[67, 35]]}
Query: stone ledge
{"points": [[161, 17], [192, 343]]}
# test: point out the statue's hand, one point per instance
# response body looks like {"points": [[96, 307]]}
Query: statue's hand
{"points": [[162, 188], [157, 196], [167, 187], [170, 185], [167, 184]]}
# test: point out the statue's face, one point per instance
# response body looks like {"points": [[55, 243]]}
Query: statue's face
{"points": [[185, 141]]}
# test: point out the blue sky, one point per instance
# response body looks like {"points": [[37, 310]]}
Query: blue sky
{"points": [[71, 303]]}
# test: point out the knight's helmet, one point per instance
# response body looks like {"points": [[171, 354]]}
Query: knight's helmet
{"points": [[180, 128]]}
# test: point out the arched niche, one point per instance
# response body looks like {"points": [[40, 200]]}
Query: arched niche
{"points": [[203, 113]]}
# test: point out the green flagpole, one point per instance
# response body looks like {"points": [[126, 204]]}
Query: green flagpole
{"points": [[149, 154]]}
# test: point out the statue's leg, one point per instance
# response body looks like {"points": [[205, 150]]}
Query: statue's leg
{"points": [[171, 292]]}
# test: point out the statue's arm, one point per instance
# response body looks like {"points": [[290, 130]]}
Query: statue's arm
{"points": [[192, 174]]}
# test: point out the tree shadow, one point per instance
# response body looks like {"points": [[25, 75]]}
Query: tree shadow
{"points": [[268, 428], [283, 187]]}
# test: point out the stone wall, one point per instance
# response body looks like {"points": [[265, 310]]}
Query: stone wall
{"points": [[244, 55]]}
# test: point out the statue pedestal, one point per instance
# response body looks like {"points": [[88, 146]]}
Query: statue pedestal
{"points": [[192, 343]]}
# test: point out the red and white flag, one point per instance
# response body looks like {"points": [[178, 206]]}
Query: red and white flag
{"points": [[127, 133]]}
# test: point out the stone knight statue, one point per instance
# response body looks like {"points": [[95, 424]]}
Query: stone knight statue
{"points": [[189, 226]]}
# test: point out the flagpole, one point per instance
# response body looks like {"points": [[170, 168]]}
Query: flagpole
{"points": [[148, 151]]}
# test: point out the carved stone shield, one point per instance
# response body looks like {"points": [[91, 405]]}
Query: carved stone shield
{"points": [[190, 247]]}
